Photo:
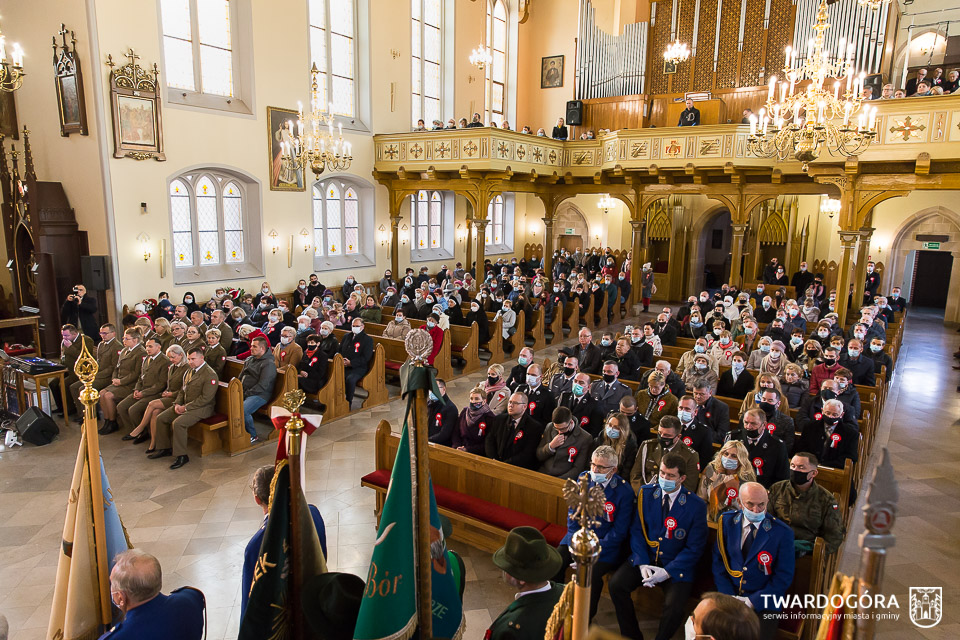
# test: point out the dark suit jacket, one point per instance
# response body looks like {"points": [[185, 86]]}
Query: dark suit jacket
{"points": [[516, 446], [591, 362], [715, 415], [739, 389]]}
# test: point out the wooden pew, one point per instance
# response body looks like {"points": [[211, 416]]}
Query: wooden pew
{"points": [[536, 332], [333, 394], [839, 482], [571, 320], [587, 315], [483, 498], [375, 381], [556, 326], [224, 429], [286, 381], [517, 338], [458, 340]]}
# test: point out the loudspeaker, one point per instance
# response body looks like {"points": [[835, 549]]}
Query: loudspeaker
{"points": [[95, 272], [575, 112], [36, 427]]}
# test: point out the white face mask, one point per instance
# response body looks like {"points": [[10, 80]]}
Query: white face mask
{"points": [[285, 340]]}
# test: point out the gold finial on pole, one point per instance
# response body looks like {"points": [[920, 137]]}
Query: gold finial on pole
{"points": [[292, 400], [586, 501], [86, 369]]}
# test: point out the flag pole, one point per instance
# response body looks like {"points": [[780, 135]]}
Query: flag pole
{"points": [[291, 402], [879, 515], [86, 370], [418, 349], [587, 504]]}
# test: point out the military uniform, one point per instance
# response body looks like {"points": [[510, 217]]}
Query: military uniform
{"points": [[651, 408], [768, 456], [199, 396], [608, 396], [765, 569], [152, 382], [179, 615], [226, 336], [175, 373], [129, 363], [560, 383], [202, 327], [107, 353], [526, 617], [646, 468], [166, 339], [190, 345], [287, 354], [216, 357], [68, 358], [672, 539], [541, 402], [810, 513]]}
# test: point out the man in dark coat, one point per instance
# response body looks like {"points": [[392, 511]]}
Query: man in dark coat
{"points": [[80, 310]]}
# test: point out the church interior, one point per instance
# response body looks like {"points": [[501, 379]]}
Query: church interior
{"points": [[168, 153]]}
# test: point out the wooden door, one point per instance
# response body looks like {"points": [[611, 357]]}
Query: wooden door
{"points": [[570, 243]]}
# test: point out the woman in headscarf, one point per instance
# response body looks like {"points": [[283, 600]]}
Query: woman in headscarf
{"points": [[478, 315], [190, 302], [387, 281], [775, 361]]}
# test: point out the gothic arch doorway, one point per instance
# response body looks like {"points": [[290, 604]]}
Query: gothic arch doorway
{"points": [[570, 227], [710, 263], [908, 255]]}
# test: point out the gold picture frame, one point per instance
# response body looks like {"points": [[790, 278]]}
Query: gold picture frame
{"points": [[283, 172], [135, 106], [551, 72], [68, 78]]}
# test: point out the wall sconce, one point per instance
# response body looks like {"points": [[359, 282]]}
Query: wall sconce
{"points": [[533, 231], [305, 236], [606, 203], [274, 240], [395, 53], [404, 234], [144, 240], [383, 236], [461, 233]]}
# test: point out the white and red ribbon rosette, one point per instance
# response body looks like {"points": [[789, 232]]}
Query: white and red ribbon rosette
{"points": [[519, 435], [483, 428], [731, 494], [765, 560], [687, 440], [771, 428], [834, 440], [661, 405], [669, 524], [280, 417], [571, 454], [758, 465], [609, 508], [533, 405]]}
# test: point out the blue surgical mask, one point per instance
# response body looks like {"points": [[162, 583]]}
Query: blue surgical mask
{"points": [[578, 389], [433, 397], [796, 340], [736, 366], [598, 477], [695, 324], [685, 416], [765, 348], [533, 380], [522, 361], [612, 432], [729, 463], [853, 352], [668, 486], [605, 342], [699, 348], [754, 517], [766, 305], [876, 348]]}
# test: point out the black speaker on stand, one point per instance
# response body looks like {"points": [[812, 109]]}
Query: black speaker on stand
{"points": [[574, 112], [36, 427]]}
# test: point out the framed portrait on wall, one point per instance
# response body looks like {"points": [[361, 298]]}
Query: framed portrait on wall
{"points": [[551, 72], [284, 173], [669, 67], [135, 106], [8, 116], [69, 84]]}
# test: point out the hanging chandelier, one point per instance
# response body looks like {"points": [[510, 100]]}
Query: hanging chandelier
{"points": [[480, 57], [830, 206], [11, 73], [314, 143], [802, 123], [676, 51], [606, 203]]}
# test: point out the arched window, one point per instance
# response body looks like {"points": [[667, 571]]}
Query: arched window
{"points": [[499, 232], [431, 215], [203, 63], [214, 221], [342, 212], [427, 60], [496, 73], [333, 49]]}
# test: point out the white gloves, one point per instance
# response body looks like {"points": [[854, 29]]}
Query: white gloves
{"points": [[745, 600], [657, 575], [646, 570]]}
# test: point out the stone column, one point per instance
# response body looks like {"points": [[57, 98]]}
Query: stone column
{"points": [[467, 241], [848, 241], [736, 253], [863, 250], [547, 245]]}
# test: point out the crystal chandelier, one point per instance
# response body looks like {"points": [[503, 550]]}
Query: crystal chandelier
{"points": [[676, 51], [606, 203], [11, 73], [313, 143], [802, 123], [830, 207], [480, 57]]}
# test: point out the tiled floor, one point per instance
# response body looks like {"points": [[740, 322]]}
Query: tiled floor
{"points": [[197, 520]]}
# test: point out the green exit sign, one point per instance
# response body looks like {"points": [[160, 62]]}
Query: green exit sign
{"points": [[931, 245]]}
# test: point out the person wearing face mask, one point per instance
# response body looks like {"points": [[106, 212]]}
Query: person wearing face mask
{"points": [[665, 332], [812, 407], [442, 414], [829, 363], [329, 344], [387, 282], [686, 360], [723, 348], [722, 477], [518, 374], [697, 435], [871, 283], [795, 386], [312, 368], [686, 309], [808, 508], [765, 311], [478, 315], [356, 348], [765, 344], [700, 374], [618, 435], [562, 381], [265, 291], [607, 349], [860, 365], [612, 527], [214, 355], [693, 326], [398, 327], [777, 424], [668, 534], [564, 448], [508, 321], [897, 302], [828, 437], [390, 298], [585, 409], [774, 362], [846, 391], [736, 382], [653, 402], [821, 334], [767, 454], [801, 279], [795, 346], [315, 288], [432, 326], [754, 556], [650, 452], [473, 424], [495, 389], [515, 435], [628, 364], [880, 358], [542, 401], [287, 352], [407, 307]]}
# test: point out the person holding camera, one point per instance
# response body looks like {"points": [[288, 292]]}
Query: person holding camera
{"points": [[80, 310]]}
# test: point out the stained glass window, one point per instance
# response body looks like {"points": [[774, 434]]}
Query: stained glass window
{"points": [[207, 213], [198, 41], [426, 211], [333, 50], [318, 244], [427, 56]]}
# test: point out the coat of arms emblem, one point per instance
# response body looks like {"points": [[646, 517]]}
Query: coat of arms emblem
{"points": [[926, 606]]}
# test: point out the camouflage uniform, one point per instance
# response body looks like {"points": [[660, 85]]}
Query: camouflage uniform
{"points": [[809, 513]]}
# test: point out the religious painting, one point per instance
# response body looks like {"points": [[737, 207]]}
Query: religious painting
{"points": [[69, 84], [284, 173], [669, 67], [8, 116], [135, 106], [551, 72]]}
